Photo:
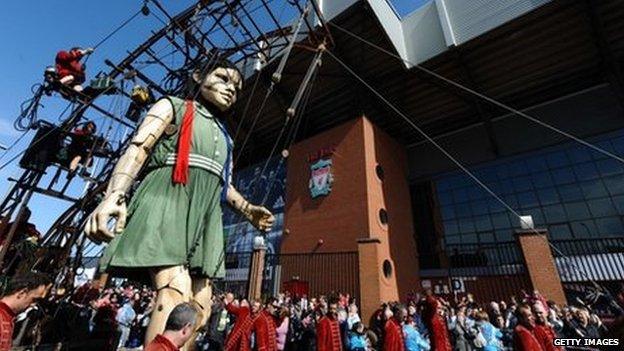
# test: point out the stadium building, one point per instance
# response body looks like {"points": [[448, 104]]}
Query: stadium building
{"points": [[385, 212]]}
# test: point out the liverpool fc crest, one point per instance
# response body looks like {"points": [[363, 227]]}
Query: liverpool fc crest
{"points": [[321, 178]]}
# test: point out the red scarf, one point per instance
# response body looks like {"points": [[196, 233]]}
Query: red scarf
{"points": [[180, 171]]}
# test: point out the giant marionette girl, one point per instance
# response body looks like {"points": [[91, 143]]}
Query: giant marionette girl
{"points": [[174, 229]]}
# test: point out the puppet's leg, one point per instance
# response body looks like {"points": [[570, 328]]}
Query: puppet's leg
{"points": [[173, 285], [202, 299]]}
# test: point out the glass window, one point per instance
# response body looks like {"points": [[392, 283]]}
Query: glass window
{"points": [[448, 212], [618, 145], [506, 186], [470, 238], [560, 232], [557, 159], [554, 214], [500, 220], [614, 185], [570, 192], [579, 154], [475, 193], [609, 167], [548, 196], [517, 168], [528, 199], [505, 235], [501, 171], [479, 207], [495, 206], [593, 188], [466, 225], [563, 176], [601, 207], [536, 213], [611, 226], [584, 229], [443, 184], [586, 171], [618, 201], [522, 183], [460, 195], [542, 180], [483, 223], [486, 237], [463, 210], [511, 200], [577, 211], [453, 239], [445, 197], [536, 164], [450, 228]]}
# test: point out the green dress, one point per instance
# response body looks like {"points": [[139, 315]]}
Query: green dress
{"points": [[167, 221]]}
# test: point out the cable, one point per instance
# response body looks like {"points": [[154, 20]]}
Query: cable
{"points": [[117, 29], [456, 162], [485, 97]]}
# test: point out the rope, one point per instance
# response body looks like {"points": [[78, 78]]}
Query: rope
{"points": [[457, 163], [485, 97], [123, 24]]}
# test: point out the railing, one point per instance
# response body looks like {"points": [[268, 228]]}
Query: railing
{"points": [[490, 272], [590, 260], [324, 272]]}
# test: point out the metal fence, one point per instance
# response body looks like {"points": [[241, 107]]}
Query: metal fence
{"points": [[490, 272], [324, 272]]}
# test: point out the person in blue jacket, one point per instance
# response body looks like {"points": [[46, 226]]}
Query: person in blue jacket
{"points": [[413, 340]]}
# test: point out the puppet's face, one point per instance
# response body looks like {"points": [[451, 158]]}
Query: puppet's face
{"points": [[220, 87]]}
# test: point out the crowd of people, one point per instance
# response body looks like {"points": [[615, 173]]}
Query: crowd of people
{"points": [[119, 317]]}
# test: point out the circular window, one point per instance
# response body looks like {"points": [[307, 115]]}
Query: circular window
{"points": [[380, 172], [383, 216], [387, 268]]}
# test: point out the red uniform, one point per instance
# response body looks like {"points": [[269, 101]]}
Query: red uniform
{"points": [[239, 337], [393, 336], [68, 63], [266, 336], [328, 335], [524, 339], [436, 325], [545, 336], [6, 327], [160, 343]]}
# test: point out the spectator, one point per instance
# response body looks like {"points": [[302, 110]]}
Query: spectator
{"points": [[544, 333], [358, 341], [328, 331], [435, 323], [393, 331], [461, 333], [491, 335], [282, 330], [125, 317], [414, 341], [264, 325], [240, 336], [217, 325], [24, 290], [524, 336], [179, 329], [353, 316]]}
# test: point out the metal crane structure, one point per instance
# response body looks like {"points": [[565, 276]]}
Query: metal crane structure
{"points": [[251, 33]]}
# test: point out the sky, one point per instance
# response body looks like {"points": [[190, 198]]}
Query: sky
{"points": [[31, 32]]}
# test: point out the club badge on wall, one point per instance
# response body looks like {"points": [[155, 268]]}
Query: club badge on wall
{"points": [[321, 178]]}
